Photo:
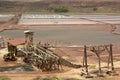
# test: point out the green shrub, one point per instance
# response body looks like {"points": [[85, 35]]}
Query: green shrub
{"points": [[10, 54], [54, 77], [95, 9], [61, 9]]}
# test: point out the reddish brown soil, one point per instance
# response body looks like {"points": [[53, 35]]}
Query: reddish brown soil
{"points": [[72, 54]]}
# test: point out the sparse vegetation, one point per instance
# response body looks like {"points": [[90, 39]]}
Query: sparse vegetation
{"points": [[72, 79], [92, 66], [54, 77], [60, 9], [4, 78], [95, 9]]}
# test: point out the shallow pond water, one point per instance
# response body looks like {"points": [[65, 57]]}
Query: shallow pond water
{"points": [[70, 37]]}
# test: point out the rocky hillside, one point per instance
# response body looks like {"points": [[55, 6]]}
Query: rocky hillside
{"points": [[48, 6]]}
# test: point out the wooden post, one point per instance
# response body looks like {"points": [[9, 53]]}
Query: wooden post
{"points": [[97, 51], [109, 61], [85, 53], [99, 62], [111, 57], [83, 60]]}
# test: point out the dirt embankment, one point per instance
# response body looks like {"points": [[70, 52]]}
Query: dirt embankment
{"points": [[12, 27], [80, 27], [12, 24]]}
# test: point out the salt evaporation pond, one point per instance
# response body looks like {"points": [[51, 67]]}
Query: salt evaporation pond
{"points": [[71, 37]]}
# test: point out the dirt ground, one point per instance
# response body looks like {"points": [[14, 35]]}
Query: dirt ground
{"points": [[72, 54], [10, 25]]}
